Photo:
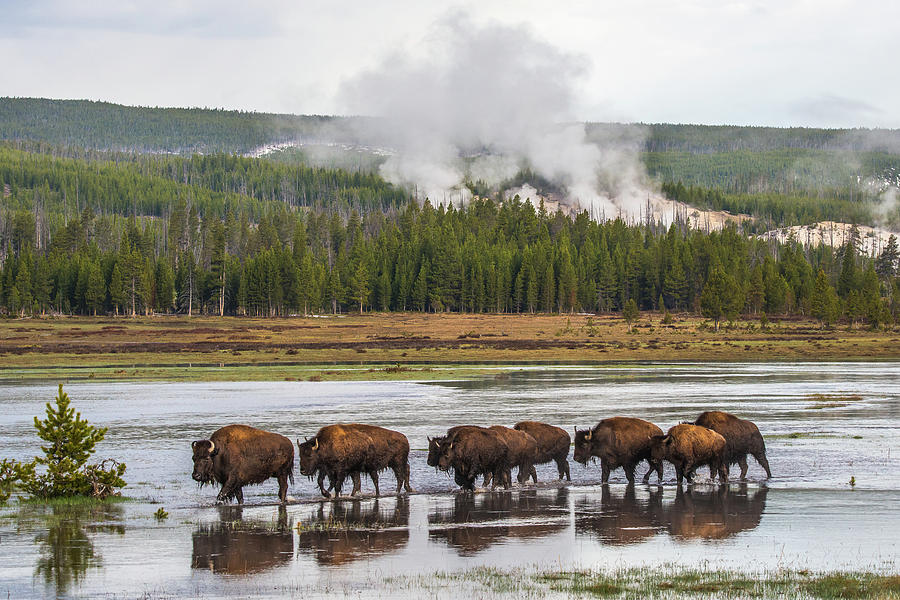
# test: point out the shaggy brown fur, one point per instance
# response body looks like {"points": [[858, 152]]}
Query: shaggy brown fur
{"points": [[391, 450], [523, 449], [742, 437], [619, 442], [553, 444], [336, 451], [239, 455], [688, 447], [472, 451]]}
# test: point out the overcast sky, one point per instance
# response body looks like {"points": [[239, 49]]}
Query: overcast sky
{"points": [[788, 62]]}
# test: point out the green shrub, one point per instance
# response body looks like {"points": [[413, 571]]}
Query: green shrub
{"points": [[63, 470]]}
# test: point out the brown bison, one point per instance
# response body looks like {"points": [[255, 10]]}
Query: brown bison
{"points": [[239, 455], [473, 451], [434, 453], [689, 446], [619, 442], [338, 451], [741, 438], [553, 444], [523, 449]]}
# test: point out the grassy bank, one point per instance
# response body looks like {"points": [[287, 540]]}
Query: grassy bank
{"points": [[399, 346], [657, 582]]}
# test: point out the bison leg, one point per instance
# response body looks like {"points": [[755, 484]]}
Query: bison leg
{"points": [[282, 487], [533, 474], [679, 473], [742, 461], [764, 463], [488, 477], [374, 476], [629, 472], [239, 495], [399, 474], [228, 491], [409, 488], [723, 472], [562, 465], [604, 470], [357, 484], [321, 481]]}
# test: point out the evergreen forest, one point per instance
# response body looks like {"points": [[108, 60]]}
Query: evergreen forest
{"points": [[127, 211]]}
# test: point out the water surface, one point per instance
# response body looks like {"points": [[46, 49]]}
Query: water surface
{"points": [[823, 424]]}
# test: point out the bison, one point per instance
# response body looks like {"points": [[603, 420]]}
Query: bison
{"points": [[741, 438], [472, 451], [434, 453], [239, 455], [523, 449], [553, 444], [337, 451], [689, 446], [619, 442]]}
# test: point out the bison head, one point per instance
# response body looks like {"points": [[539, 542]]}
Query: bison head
{"points": [[583, 445], [308, 452], [659, 447], [204, 451], [446, 454], [434, 450]]}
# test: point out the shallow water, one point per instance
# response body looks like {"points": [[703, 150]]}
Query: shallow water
{"points": [[807, 516]]}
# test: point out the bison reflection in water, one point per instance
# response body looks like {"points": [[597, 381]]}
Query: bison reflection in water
{"points": [[715, 514], [234, 546], [476, 522], [621, 519], [354, 530]]}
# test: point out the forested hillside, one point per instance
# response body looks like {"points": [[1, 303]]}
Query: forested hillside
{"points": [[230, 253], [88, 226]]}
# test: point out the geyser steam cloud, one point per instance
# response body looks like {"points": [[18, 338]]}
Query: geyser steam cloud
{"points": [[485, 101]]}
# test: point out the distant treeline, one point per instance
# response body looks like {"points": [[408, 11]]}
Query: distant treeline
{"points": [[486, 257], [107, 126]]}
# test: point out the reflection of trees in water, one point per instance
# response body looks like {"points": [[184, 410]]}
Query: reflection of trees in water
{"points": [[695, 513], [353, 529], [235, 546], [478, 521], [65, 543]]}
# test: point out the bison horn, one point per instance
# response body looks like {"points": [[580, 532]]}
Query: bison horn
{"points": [[316, 445], [589, 434], [212, 446], [193, 445]]}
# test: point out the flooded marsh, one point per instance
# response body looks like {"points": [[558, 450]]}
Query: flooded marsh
{"points": [[823, 424]]}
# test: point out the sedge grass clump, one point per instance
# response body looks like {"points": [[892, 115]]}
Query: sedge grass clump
{"points": [[63, 470]]}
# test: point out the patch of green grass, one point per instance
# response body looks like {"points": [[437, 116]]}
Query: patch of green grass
{"points": [[659, 582]]}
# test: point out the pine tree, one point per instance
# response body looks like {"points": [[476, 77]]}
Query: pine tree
{"points": [[825, 305], [70, 443], [886, 263], [630, 313]]}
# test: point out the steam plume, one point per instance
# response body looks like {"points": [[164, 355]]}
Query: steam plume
{"points": [[483, 102]]}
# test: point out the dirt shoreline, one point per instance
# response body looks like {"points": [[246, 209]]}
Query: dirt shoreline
{"points": [[408, 339]]}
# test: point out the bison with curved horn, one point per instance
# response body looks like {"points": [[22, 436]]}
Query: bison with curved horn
{"points": [[553, 444], [688, 447], [619, 442], [239, 455], [742, 437]]}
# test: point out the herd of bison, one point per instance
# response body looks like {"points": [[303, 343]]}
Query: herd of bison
{"points": [[239, 455]]}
